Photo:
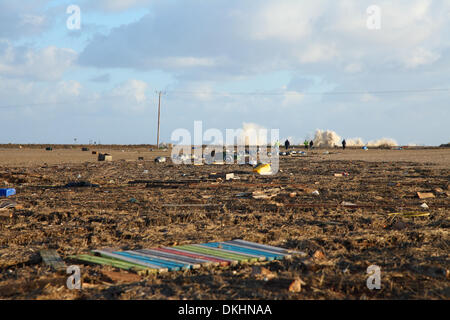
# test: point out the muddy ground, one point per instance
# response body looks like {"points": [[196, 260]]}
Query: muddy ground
{"points": [[341, 242]]}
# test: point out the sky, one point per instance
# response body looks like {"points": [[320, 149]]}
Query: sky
{"points": [[291, 65]]}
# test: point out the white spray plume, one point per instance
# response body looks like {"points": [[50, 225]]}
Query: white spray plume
{"points": [[252, 134], [330, 139]]}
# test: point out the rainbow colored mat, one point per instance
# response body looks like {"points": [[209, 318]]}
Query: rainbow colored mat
{"points": [[187, 257]]}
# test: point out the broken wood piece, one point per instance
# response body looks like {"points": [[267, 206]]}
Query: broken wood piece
{"points": [[52, 259], [425, 195], [266, 194], [263, 273], [296, 285]]}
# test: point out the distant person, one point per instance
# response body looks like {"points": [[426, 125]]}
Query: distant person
{"points": [[311, 144], [287, 144], [306, 144], [344, 143]]}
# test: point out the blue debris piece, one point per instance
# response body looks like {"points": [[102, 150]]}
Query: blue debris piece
{"points": [[7, 192]]}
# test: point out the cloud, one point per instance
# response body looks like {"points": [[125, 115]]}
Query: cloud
{"points": [[120, 5], [206, 47], [23, 18], [318, 53], [420, 57], [133, 90], [46, 64], [106, 77], [232, 38]]}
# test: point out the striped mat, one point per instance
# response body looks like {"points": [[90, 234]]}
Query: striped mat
{"points": [[186, 257]]}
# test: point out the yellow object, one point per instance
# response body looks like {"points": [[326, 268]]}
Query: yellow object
{"points": [[410, 214], [263, 169]]}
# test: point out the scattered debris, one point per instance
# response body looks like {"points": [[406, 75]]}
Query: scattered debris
{"points": [[266, 194], [7, 204], [410, 214], [226, 176], [229, 176], [263, 169], [424, 205], [244, 194], [84, 149], [296, 285], [425, 195], [263, 273], [49, 149], [52, 259], [6, 192], [319, 255], [160, 159], [104, 157], [315, 192], [81, 184], [347, 204], [7, 214], [140, 158]]}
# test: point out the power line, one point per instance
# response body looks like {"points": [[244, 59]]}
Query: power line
{"points": [[279, 93]]}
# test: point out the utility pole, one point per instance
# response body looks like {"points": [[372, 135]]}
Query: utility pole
{"points": [[159, 114]]}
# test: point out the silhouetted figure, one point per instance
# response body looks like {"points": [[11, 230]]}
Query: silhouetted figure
{"points": [[344, 143], [311, 143], [287, 144]]}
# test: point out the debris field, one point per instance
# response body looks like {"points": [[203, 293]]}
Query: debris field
{"points": [[347, 210]]}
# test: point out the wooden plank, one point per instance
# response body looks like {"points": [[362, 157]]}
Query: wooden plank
{"points": [[263, 246], [115, 255], [113, 263], [182, 264], [208, 253], [142, 260], [195, 263], [216, 252], [251, 257], [52, 259], [214, 260], [239, 249], [280, 255]]}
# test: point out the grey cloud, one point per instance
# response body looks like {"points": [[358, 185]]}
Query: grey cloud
{"points": [[23, 18], [106, 77]]}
